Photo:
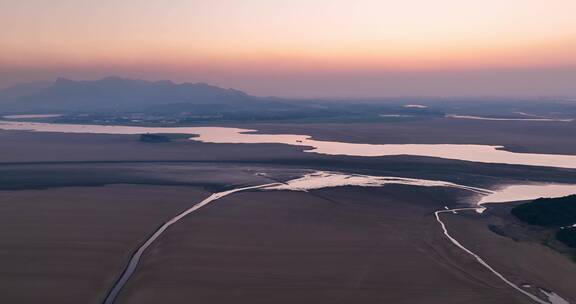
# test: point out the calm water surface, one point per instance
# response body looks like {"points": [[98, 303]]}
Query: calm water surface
{"points": [[465, 152], [31, 116], [509, 119]]}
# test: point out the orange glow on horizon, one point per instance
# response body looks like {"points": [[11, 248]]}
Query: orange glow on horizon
{"points": [[265, 37], [547, 55]]}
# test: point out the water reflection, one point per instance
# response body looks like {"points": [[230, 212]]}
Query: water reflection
{"points": [[31, 116], [474, 153], [508, 119], [513, 193]]}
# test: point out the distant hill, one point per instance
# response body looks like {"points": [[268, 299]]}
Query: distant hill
{"points": [[113, 93], [18, 91], [122, 100]]}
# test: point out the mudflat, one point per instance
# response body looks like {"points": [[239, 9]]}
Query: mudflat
{"points": [[345, 245], [517, 136], [75, 206], [68, 245], [526, 262], [59, 149]]}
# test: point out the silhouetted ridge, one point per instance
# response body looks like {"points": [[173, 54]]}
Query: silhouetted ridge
{"points": [[116, 93]]}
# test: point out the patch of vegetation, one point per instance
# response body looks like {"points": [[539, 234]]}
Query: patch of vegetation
{"points": [[556, 213], [550, 212], [567, 236]]}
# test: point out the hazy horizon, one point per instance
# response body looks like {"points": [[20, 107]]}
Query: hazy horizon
{"points": [[393, 83], [300, 48]]}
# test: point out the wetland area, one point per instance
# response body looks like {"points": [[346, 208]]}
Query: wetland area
{"points": [[330, 226]]}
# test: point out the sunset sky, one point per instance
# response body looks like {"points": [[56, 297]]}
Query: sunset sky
{"points": [[300, 48]]}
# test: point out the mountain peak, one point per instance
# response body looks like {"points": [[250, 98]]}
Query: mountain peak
{"points": [[61, 81]]}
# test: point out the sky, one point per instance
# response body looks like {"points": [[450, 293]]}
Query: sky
{"points": [[300, 48]]}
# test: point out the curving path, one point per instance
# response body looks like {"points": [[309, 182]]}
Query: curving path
{"points": [[135, 259], [478, 258], [317, 180]]}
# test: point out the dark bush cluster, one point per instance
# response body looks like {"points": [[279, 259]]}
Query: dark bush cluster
{"points": [[551, 212]]}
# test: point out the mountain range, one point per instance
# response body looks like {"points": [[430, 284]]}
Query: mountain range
{"points": [[113, 94], [185, 102]]}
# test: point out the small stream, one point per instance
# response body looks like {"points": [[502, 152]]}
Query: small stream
{"points": [[326, 179]]}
